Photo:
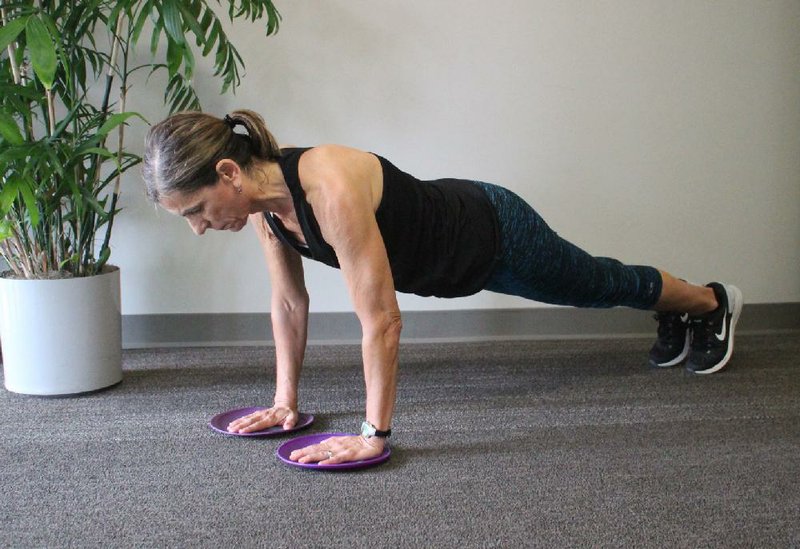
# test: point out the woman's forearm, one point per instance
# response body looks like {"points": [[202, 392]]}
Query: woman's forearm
{"points": [[380, 347], [290, 330]]}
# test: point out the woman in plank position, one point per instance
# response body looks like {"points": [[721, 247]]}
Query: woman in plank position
{"points": [[388, 231]]}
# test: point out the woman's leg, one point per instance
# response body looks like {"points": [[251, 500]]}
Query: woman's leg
{"points": [[535, 263], [682, 297], [538, 264]]}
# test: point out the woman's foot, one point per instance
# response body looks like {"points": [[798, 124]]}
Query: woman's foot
{"points": [[674, 338], [712, 333]]}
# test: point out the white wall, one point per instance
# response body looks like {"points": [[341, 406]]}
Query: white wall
{"points": [[663, 133]]}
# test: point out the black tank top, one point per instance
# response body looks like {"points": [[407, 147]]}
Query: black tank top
{"points": [[441, 236]]}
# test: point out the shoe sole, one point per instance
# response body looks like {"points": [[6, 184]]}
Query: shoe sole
{"points": [[678, 359], [734, 294]]}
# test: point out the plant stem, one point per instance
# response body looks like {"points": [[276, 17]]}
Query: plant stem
{"points": [[12, 50], [123, 92], [112, 63], [110, 72], [115, 44], [7, 253], [51, 111], [25, 261]]}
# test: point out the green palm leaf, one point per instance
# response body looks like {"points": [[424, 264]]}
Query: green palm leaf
{"points": [[43, 51]]}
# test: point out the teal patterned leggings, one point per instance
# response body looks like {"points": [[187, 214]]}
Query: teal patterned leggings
{"points": [[536, 263]]}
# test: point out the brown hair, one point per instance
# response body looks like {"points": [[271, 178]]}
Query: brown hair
{"points": [[181, 152]]}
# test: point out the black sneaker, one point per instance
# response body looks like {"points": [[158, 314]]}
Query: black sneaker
{"points": [[712, 333], [674, 337]]}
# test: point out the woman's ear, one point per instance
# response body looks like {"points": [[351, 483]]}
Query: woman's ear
{"points": [[228, 170]]}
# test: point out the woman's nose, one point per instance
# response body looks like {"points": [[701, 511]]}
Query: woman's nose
{"points": [[199, 227]]}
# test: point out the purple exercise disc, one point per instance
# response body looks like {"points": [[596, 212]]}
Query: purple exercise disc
{"points": [[284, 451], [220, 422]]}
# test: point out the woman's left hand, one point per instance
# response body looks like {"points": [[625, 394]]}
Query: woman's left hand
{"points": [[339, 450]]}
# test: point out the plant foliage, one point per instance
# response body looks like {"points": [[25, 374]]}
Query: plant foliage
{"points": [[59, 173]]}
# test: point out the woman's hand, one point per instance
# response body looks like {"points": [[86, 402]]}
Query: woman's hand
{"points": [[339, 450], [264, 419]]}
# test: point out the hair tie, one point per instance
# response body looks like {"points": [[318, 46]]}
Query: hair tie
{"points": [[230, 121]]}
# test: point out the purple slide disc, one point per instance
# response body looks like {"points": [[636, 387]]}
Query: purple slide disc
{"points": [[284, 451]]}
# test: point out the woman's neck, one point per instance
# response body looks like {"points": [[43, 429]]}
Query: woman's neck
{"points": [[267, 188]]}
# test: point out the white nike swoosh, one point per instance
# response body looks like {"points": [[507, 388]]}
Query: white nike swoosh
{"points": [[721, 335], [684, 317]]}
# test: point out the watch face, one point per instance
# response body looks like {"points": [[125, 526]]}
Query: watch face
{"points": [[367, 430]]}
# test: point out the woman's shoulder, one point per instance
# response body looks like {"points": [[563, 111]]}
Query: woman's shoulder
{"points": [[333, 172], [333, 152], [331, 160]]}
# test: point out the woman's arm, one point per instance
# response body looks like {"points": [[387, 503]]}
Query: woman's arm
{"points": [[344, 207], [289, 313], [362, 255]]}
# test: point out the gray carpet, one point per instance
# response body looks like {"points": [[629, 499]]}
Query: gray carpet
{"points": [[542, 443]]}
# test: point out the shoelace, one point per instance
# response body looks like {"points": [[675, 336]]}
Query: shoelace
{"points": [[669, 324], [703, 333]]}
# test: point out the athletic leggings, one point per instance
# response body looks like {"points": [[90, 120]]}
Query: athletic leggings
{"points": [[536, 263]]}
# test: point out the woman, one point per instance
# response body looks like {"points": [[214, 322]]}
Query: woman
{"points": [[388, 232]]}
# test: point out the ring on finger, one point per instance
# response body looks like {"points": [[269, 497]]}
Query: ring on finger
{"points": [[329, 454]]}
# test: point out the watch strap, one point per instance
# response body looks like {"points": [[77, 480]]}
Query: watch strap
{"points": [[368, 430]]}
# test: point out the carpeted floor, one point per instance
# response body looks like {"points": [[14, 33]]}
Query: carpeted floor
{"points": [[513, 444]]}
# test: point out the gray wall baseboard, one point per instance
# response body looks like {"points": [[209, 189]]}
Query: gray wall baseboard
{"points": [[197, 330]]}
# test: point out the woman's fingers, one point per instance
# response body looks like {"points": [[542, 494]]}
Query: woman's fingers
{"points": [[337, 450], [290, 420], [243, 424], [259, 425], [258, 421], [245, 421]]}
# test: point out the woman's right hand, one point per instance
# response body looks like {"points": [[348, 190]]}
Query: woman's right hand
{"points": [[264, 419]]}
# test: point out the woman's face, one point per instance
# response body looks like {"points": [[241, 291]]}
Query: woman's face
{"points": [[220, 207]]}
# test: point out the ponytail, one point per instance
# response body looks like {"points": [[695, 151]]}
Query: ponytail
{"points": [[262, 141]]}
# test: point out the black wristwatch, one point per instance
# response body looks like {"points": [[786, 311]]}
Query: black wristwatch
{"points": [[368, 431]]}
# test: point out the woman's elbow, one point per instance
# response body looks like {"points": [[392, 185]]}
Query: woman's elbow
{"points": [[386, 326], [294, 303], [395, 324]]}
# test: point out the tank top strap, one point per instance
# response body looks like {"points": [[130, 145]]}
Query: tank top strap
{"points": [[318, 249]]}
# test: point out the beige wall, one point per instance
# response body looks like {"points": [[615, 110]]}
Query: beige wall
{"points": [[664, 133]]}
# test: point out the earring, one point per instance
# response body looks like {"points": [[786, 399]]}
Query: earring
{"points": [[239, 190]]}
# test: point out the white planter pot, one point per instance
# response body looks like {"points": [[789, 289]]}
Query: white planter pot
{"points": [[61, 337]]}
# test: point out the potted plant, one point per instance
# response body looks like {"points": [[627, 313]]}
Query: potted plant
{"points": [[62, 154]]}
